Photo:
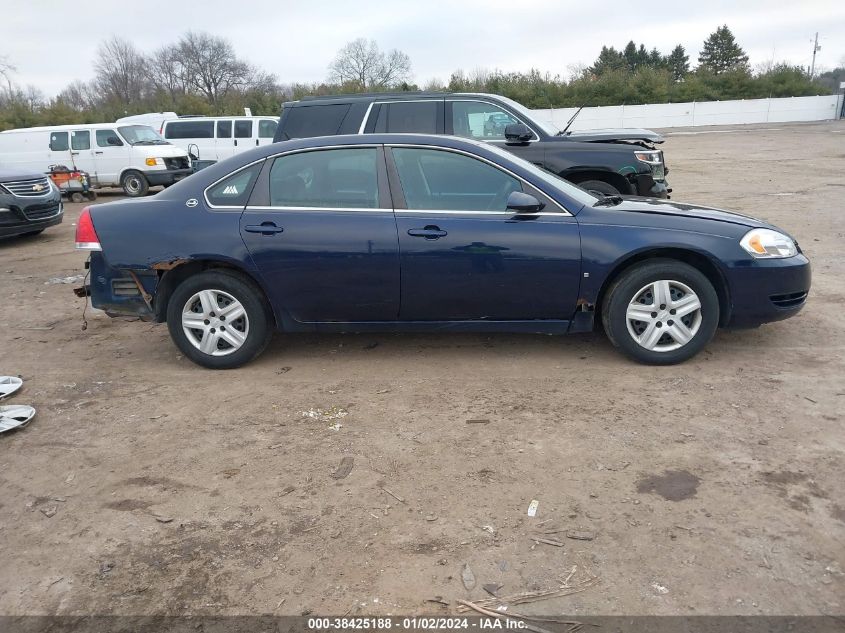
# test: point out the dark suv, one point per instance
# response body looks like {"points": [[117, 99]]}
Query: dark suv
{"points": [[29, 203], [607, 162]]}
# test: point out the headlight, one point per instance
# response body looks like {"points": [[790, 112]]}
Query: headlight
{"points": [[649, 157], [768, 244], [152, 162]]}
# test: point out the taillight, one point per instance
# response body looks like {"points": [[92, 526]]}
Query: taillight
{"points": [[86, 236]]}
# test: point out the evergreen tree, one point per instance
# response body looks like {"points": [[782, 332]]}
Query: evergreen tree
{"points": [[721, 52], [678, 63], [609, 59]]}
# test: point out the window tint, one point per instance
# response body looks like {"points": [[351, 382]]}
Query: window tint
{"points": [[308, 121], [267, 128], [419, 117], [58, 142], [224, 129], [103, 137], [234, 191], [189, 129], [433, 179], [80, 139], [337, 178], [243, 129], [480, 120]]}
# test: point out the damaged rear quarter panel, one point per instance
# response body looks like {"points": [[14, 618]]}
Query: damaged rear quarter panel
{"points": [[132, 239]]}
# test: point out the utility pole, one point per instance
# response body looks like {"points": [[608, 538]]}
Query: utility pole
{"points": [[816, 49]]}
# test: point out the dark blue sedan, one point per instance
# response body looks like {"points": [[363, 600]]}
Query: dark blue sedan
{"points": [[425, 233]]}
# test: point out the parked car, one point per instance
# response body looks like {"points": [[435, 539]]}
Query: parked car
{"points": [[29, 203], [212, 138], [607, 162], [428, 233], [133, 157]]}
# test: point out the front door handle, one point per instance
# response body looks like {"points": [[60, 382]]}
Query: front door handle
{"points": [[265, 228], [98, 153], [429, 232]]}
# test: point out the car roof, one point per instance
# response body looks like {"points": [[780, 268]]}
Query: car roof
{"points": [[78, 126], [382, 96]]}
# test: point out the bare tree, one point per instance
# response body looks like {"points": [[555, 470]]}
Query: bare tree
{"points": [[362, 63], [211, 66], [79, 96], [166, 71], [120, 70], [6, 70]]}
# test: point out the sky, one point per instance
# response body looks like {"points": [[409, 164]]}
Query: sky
{"points": [[52, 43]]}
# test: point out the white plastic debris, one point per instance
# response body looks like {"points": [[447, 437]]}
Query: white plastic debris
{"points": [[15, 416], [659, 588], [532, 508], [9, 385]]}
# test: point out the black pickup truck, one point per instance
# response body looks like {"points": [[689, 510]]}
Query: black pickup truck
{"points": [[607, 162]]}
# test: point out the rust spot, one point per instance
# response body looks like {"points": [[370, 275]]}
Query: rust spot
{"points": [[169, 265]]}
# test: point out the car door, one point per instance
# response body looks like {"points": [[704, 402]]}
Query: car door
{"points": [[321, 230], [81, 153], [464, 256], [111, 155], [243, 136]]}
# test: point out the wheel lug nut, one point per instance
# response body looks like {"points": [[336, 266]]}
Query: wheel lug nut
{"points": [[654, 315], [211, 314], [212, 330], [222, 318], [222, 329], [672, 311], [662, 306], [206, 321], [659, 324], [670, 322]]}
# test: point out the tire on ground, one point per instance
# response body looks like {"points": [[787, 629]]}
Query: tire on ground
{"points": [[259, 315], [599, 187], [623, 290], [134, 184]]}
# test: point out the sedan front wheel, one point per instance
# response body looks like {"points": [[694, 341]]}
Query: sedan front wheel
{"points": [[661, 312]]}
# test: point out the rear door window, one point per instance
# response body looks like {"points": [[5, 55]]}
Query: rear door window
{"points": [[58, 142], [80, 139], [419, 117], [189, 129], [243, 129], [308, 121], [334, 179], [224, 129]]}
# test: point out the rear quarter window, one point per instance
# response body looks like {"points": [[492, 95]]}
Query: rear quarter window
{"points": [[234, 190], [308, 121], [189, 129]]}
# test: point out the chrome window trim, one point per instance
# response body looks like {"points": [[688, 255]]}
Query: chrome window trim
{"points": [[440, 148], [370, 108], [330, 209], [498, 140]]}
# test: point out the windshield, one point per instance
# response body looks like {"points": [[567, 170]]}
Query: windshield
{"points": [[141, 135], [573, 191], [531, 115]]}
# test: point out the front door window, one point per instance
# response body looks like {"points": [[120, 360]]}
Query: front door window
{"points": [[479, 120]]}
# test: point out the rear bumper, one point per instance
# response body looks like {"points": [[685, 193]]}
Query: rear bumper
{"points": [[768, 290], [166, 176], [116, 292], [14, 222]]}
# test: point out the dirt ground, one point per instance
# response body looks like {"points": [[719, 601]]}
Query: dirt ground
{"points": [[147, 485]]}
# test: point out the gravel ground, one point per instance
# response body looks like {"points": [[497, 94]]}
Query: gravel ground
{"points": [[147, 485]]}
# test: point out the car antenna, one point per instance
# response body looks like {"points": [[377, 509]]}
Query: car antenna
{"points": [[571, 119]]}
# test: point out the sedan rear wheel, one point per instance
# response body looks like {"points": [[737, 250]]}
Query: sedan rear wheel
{"points": [[219, 319], [661, 312]]}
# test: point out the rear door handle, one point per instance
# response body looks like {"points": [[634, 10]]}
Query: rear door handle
{"points": [[265, 228], [98, 153], [430, 232]]}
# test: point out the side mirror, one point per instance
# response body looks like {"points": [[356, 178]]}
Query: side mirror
{"points": [[524, 202], [113, 140], [518, 133]]}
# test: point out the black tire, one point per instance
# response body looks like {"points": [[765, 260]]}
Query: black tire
{"points": [[76, 196], [599, 187], [260, 318], [134, 184], [92, 195], [627, 287]]}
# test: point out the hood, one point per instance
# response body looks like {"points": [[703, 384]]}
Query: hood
{"points": [[8, 175], [161, 151], [667, 207], [607, 135]]}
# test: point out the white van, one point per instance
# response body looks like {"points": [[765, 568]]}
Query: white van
{"points": [[215, 138], [133, 157]]}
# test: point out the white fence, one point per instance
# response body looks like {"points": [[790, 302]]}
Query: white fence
{"points": [[660, 115]]}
